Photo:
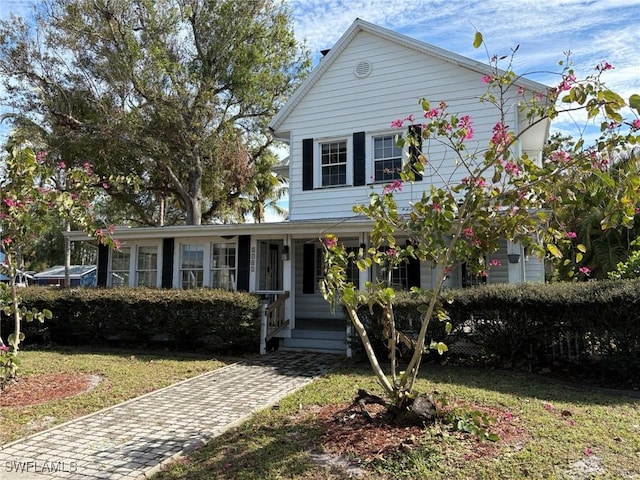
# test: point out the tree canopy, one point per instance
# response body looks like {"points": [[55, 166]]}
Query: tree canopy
{"points": [[177, 93]]}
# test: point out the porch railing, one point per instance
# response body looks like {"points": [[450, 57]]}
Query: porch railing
{"points": [[273, 316]]}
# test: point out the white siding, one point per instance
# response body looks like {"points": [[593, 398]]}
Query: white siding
{"points": [[340, 104]]}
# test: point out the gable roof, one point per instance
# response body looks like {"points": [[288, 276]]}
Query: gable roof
{"points": [[360, 25]]}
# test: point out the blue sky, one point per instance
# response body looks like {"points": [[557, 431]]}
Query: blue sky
{"points": [[593, 30]]}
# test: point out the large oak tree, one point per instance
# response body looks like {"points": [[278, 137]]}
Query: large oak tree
{"points": [[175, 92]]}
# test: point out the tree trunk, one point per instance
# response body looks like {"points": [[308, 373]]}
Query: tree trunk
{"points": [[194, 203]]}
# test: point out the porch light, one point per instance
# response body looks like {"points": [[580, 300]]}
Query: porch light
{"points": [[513, 257], [285, 253]]}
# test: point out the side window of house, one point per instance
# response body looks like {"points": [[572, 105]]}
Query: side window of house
{"points": [[223, 266], [120, 264], [147, 268], [387, 159], [192, 265], [333, 156]]}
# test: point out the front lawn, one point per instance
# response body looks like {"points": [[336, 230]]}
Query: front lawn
{"points": [[120, 375], [551, 431]]}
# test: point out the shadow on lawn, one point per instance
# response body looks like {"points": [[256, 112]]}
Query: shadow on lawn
{"points": [[528, 385], [253, 451], [513, 382]]}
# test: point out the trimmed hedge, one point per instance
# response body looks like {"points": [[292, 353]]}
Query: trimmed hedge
{"points": [[532, 325], [202, 319]]}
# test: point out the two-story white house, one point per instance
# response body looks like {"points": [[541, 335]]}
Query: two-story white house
{"points": [[338, 129]]}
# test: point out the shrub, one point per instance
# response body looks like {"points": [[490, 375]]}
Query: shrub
{"points": [[213, 320]]}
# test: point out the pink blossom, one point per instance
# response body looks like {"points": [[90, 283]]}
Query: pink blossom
{"points": [[10, 202], [117, 244], [99, 233], [500, 135], [548, 407], [409, 118], [330, 241], [105, 185], [448, 269], [602, 66], [587, 452], [481, 183], [87, 168], [512, 168], [571, 422], [62, 165], [495, 263], [560, 156], [468, 232], [397, 123], [396, 185], [4, 348], [585, 270], [487, 79], [635, 125], [436, 207], [521, 90], [572, 234], [111, 229], [392, 252], [433, 113], [7, 240], [508, 416], [40, 156], [465, 126]]}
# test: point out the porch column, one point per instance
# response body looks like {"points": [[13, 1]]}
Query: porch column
{"points": [[516, 262], [288, 275]]}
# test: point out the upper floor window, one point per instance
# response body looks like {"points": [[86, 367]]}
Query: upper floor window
{"points": [[192, 265], [333, 157], [147, 271], [387, 159], [120, 264], [223, 266]]}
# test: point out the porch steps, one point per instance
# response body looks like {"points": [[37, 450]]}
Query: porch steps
{"points": [[321, 341]]}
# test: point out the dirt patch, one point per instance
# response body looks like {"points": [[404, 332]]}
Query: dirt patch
{"points": [[37, 389], [349, 433]]}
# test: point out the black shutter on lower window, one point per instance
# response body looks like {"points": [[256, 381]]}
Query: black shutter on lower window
{"points": [[359, 165], [168, 247], [415, 148], [307, 164], [309, 268], [413, 272], [103, 265], [244, 258]]}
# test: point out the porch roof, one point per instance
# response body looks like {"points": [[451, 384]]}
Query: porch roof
{"points": [[294, 228]]}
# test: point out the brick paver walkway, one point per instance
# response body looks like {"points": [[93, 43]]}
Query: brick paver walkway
{"points": [[133, 439]]}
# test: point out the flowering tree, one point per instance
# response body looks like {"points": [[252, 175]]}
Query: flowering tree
{"points": [[501, 196], [32, 190]]}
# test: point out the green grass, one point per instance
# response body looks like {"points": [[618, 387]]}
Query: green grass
{"points": [[602, 434], [125, 374]]}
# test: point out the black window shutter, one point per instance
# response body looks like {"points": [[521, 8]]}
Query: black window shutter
{"points": [[413, 272], [168, 246], [359, 163], [103, 265], [309, 268], [307, 164], [415, 147], [244, 258]]}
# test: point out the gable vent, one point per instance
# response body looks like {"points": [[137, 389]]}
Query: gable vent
{"points": [[362, 69]]}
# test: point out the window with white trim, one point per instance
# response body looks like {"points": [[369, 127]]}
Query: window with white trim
{"points": [[387, 159], [223, 266], [147, 266], [191, 265], [120, 264], [333, 163]]}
